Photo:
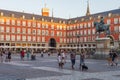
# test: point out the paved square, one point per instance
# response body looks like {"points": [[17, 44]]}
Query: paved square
{"points": [[46, 68]]}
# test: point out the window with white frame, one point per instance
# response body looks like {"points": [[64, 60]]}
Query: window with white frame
{"points": [[24, 30], [23, 38], [52, 33], [108, 21], [89, 24], [7, 37], [29, 31], [85, 39], [89, 32], [34, 31], [81, 32], [46, 25], [64, 33], [38, 25], [67, 40], [34, 24], [29, 24], [43, 25], [52, 26], [43, 32], [7, 21], [18, 30], [18, 23], [93, 31], [13, 22], [116, 21], [85, 25], [60, 27], [18, 37], [13, 37], [2, 21], [47, 32], [13, 29], [85, 32], [43, 39], [116, 29], [7, 29], [29, 38], [23, 23], [1, 37], [64, 40], [81, 25], [34, 38], [57, 27], [39, 32], [61, 40], [57, 33], [1, 28], [38, 39], [60, 34]]}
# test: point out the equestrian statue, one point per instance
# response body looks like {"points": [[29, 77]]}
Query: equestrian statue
{"points": [[102, 27]]}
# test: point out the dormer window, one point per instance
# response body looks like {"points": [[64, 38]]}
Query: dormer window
{"points": [[99, 17], [12, 15], [23, 17], [42, 19], [60, 21], [82, 19], [75, 21], [33, 18], [51, 20], [110, 14], [1, 14]]}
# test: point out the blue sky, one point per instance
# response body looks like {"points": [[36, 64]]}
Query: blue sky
{"points": [[61, 8]]}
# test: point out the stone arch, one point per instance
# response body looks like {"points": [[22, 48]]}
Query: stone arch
{"points": [[52, 42], [111, 40]]}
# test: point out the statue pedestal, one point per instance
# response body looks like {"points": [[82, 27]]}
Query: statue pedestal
{"points": [[102, 48]]}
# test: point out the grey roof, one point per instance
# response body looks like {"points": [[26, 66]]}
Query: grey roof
{"points": [[40, 17], [30, 16], [116, 11]]}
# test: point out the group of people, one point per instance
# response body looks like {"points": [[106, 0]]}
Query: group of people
{"points": [[62, 59], [5, 55], [113, 58]]}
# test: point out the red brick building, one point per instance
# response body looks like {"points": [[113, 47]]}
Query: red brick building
{"points": [[24, 30]]}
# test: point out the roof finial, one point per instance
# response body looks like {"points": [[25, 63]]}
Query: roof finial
{"points": [[88, 9], [52, 13]]}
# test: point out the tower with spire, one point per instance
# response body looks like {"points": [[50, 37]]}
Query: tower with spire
{"points": [[45, 11], [88, 9]]}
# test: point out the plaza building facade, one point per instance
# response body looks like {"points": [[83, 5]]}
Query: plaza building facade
{"points": [[20, 30]]}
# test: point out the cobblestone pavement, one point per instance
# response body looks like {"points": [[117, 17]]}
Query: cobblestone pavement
{"points": [[46, 68]]}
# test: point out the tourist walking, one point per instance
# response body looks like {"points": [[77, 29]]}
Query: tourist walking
{"points": [[72, 57]]}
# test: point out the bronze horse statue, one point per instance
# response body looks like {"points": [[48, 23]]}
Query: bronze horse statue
{"points": [[101, 27]]}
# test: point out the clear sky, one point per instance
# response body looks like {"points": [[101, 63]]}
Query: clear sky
{"points": [[61, 8]]}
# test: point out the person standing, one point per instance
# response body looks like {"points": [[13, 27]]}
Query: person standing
{"points": [[9, 56], [82, 57], [72, 57], [1, 56], [28, 55], [22, 55], [59, 58]]}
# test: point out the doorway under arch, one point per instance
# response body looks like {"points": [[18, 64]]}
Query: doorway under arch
{"points": [[111, 40], [52, 42]]}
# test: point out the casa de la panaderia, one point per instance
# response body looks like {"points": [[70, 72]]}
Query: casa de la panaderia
{"points": [[20, 30]]}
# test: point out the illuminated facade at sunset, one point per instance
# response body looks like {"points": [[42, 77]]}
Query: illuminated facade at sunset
{"points": [[30, 31]]}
